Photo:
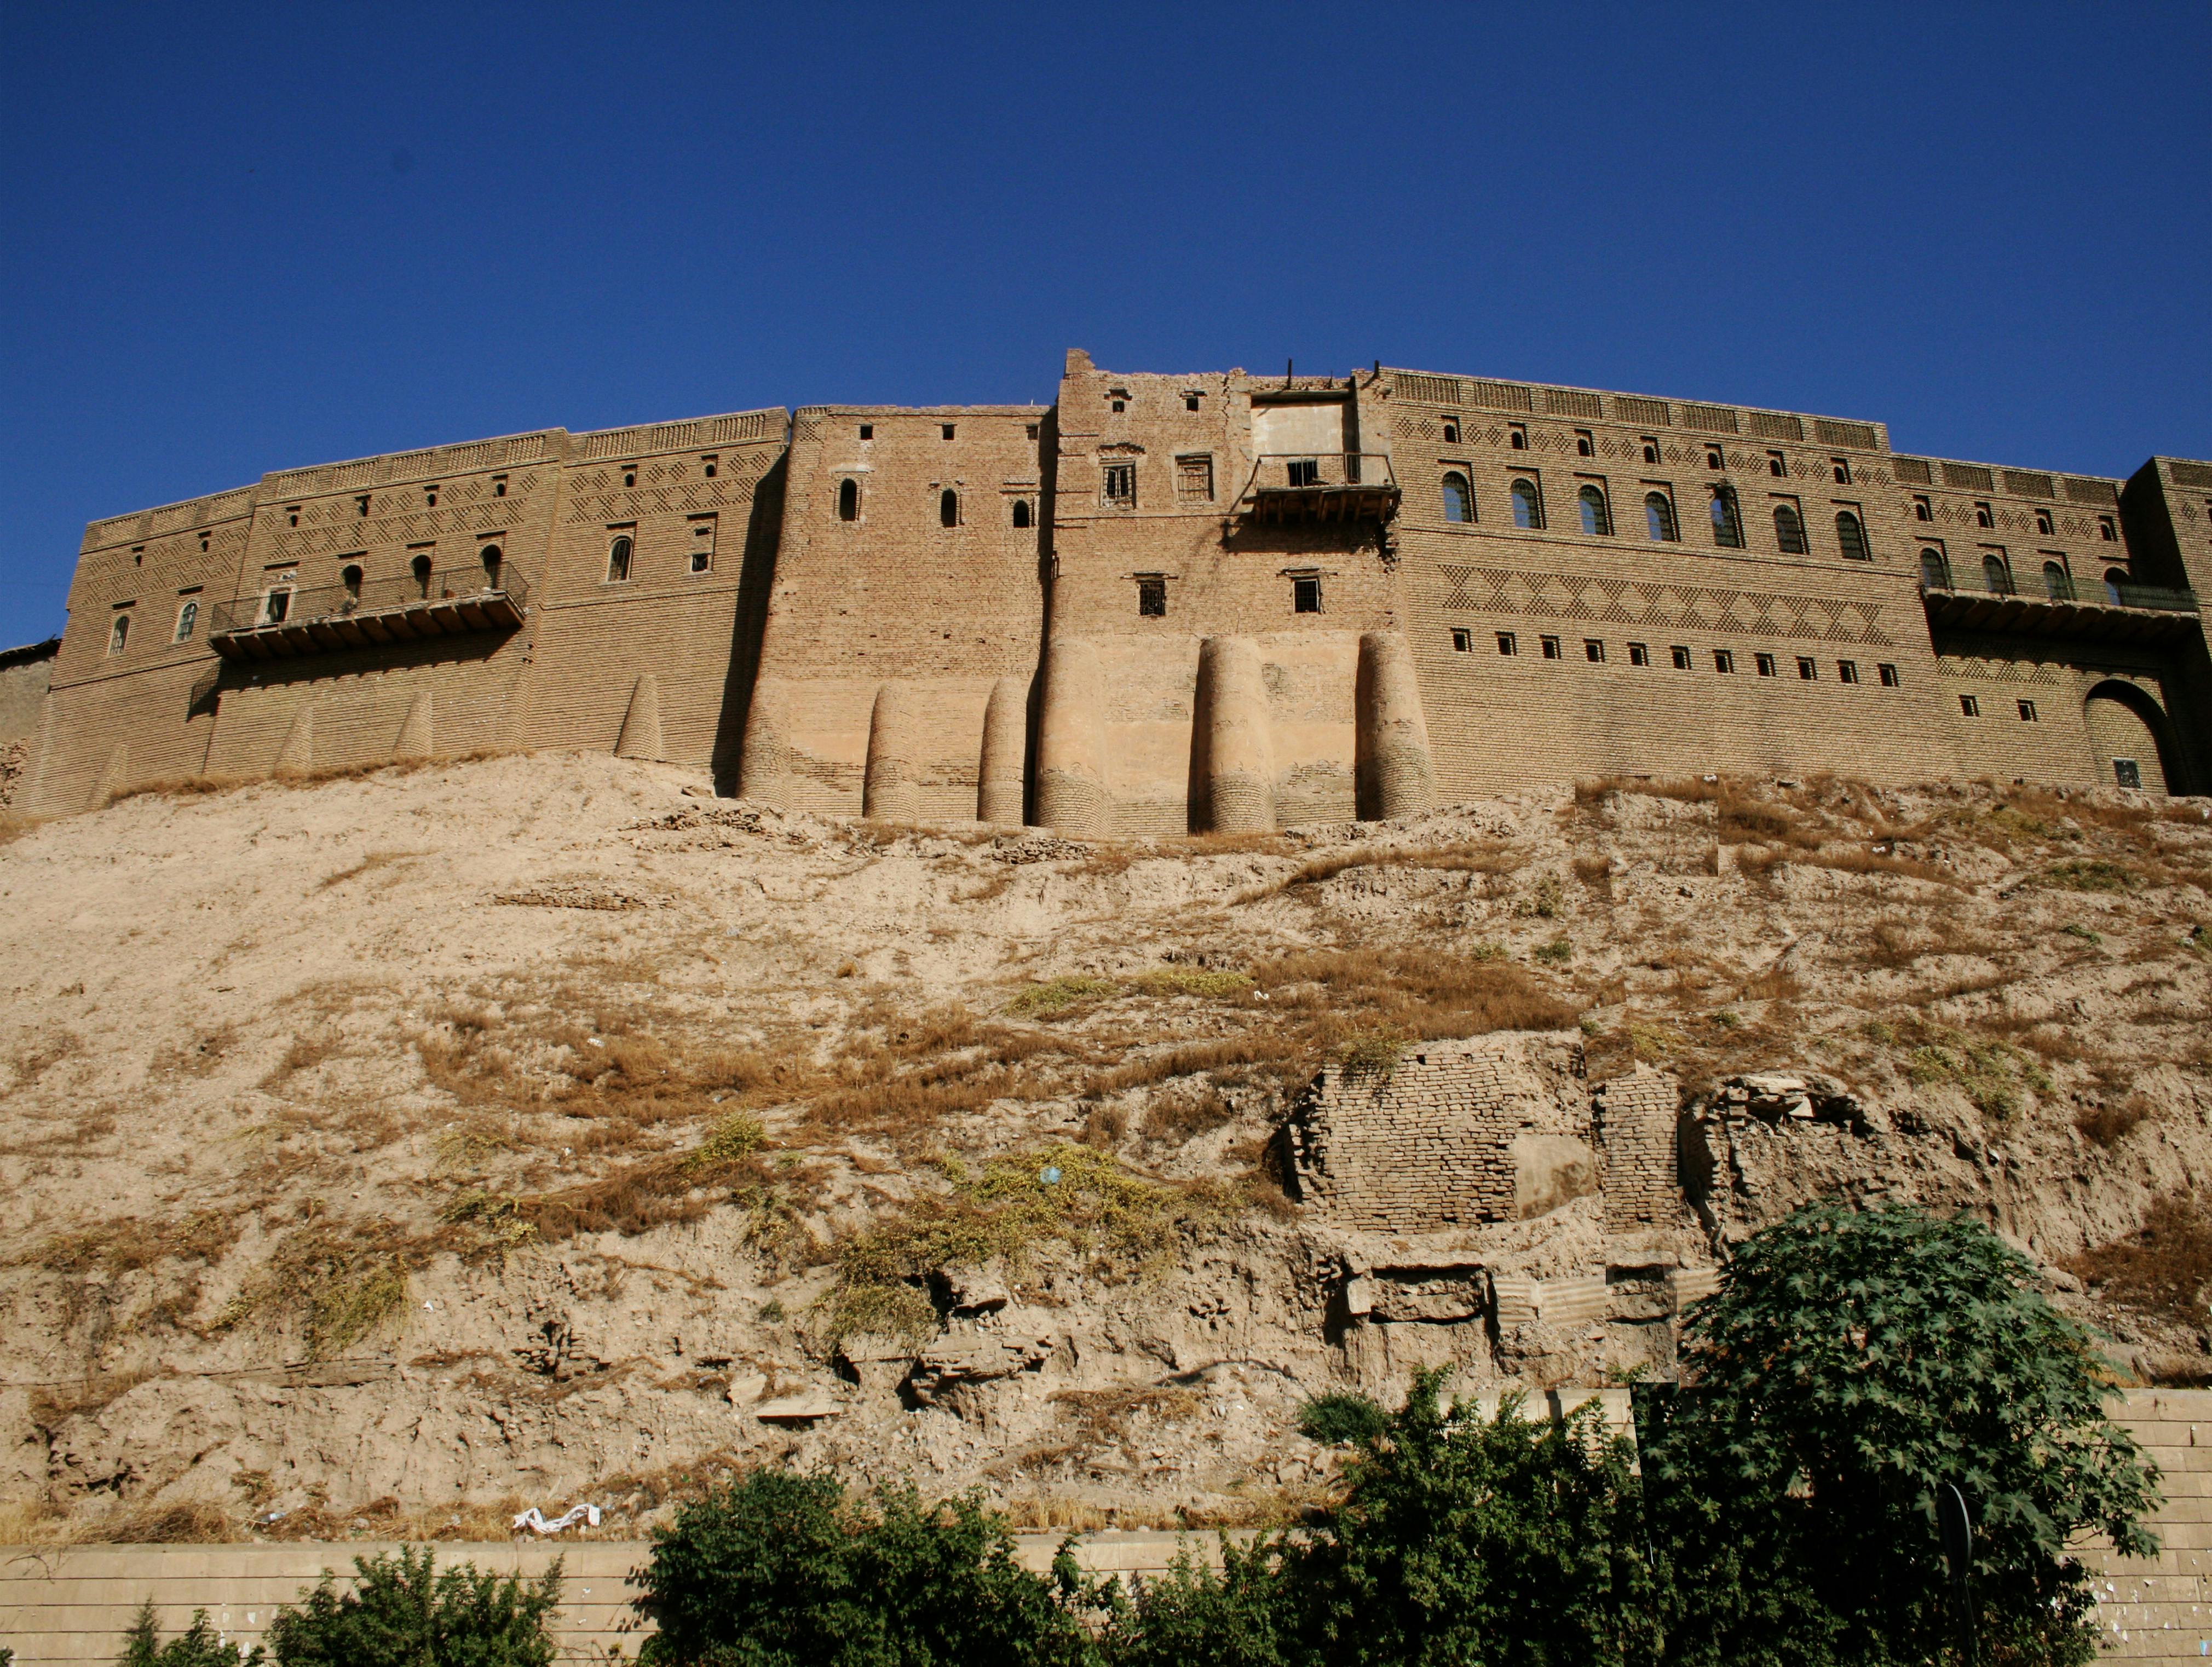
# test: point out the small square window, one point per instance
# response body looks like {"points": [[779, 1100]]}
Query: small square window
{"points": [[292, 514], [2126, 773], [1030, 430], [630, 476], [1681, 657], [2027, 711], [946, 431], [1190, 402], [702, 544], [1305, 596], [1847, 671], [1888, 675], [1462, 642], [1765, 663], [1551, 646], [1723, 661], [1120, 405], [1152, 598], [1640, 654], [1593, 651], [1122, 484], [1970, 705], [1507, 642], [361, 506], [702, 559], [1809, 669], [867, 431]]}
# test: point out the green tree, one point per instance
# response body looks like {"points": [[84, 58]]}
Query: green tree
{"points": [[1850, 1363], [199, 1646], [402, 1613], [776, 1570]]}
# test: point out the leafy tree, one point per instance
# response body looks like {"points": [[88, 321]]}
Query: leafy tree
{"points": [[1342, 1419], [1465, 1539], [1850, 1363], [402, 1614], [776, 1570], [1196, 1618], [197, 1645]]}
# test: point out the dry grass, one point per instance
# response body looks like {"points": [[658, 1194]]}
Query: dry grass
{"points": [[185, 787], [2162, 1268], [1471, 858], [368, 865], [2109, 1122]]}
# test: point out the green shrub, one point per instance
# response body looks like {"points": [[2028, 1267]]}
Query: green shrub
{"points": [[1057, 996], [1850, 1364], [197, 1645], [776, 1570], [736, 1137], [402, 1614], [1341, 1419], [1557, 953], [2090, 875]]}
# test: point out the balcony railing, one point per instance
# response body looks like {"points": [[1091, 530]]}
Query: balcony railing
{"points": [[1301, 486], [285, 620], [2122, 611]]}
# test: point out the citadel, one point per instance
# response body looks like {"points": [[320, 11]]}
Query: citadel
{"points": [[1160, 604]]}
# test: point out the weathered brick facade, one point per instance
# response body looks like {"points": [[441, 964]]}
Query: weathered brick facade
{"points": [[1161, 604]]}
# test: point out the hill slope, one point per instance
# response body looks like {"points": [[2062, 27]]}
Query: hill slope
{"points": [[389, 1152]]}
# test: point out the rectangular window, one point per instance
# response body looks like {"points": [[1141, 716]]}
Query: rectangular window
{"points": [[1888, 673], [1593, 651], [1304, 472], [2027, 711], [1807, 669], [1723, 661], [948, 431], [361, 506], [702, 544], [1777, 463], [1847, 671], [1766, 664], [499, 484], [867, 431], [1841, 468], [1029, 431], [1681, 657], [188, 614], [1970, 705], [1194, 479], [1507, 642], [1190, 402], [1305, 596], [1462, 642], [1152, 597], [2126, 773], [1640, 654], [710, 465], [1551, 647], [1122, 484], [275, 607]]}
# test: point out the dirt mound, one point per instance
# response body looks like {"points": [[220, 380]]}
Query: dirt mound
{"points": [[391, 1153]]}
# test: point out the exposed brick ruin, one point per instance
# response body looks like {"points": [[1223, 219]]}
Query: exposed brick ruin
{"points": [[1162, 603]]}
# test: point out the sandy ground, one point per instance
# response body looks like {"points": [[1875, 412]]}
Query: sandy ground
{"points": [[386, 1153]]}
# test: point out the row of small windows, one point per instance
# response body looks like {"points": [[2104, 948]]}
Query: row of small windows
{"points": [[948, 506], [622, 550], [1997, 580], [1985, 515], [1640, 654], [1659, 523], [1970, 705], [1152, 595]]}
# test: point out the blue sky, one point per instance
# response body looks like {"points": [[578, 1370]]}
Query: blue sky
{"points": [[244, 238]]}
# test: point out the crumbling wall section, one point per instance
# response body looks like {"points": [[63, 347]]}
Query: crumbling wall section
{"points": [[1429, 1141], [1634, 1117]]}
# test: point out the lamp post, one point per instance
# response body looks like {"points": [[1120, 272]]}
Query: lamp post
{"points": [[1958, 1530]]}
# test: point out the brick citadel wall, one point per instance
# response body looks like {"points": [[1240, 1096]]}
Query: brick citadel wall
{"points": [[1160, 605]]}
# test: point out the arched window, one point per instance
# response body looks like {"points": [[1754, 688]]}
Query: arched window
{"points": [[1996, 577], [188, 619], [1527, 508], [1727, 524], [1789, 530], [1934, 571], [1021, 512], [2056, 582], [618, 555], [349, 576], [948, 508], [849, 500], [2114, 578], [491, 556], [1659, 518], [421, 568], [1597, 521], [118, 634], [1459, 500], [1851, 534]]}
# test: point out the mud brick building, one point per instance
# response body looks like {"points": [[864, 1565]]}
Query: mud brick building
{"points": [[1159, 604]]}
